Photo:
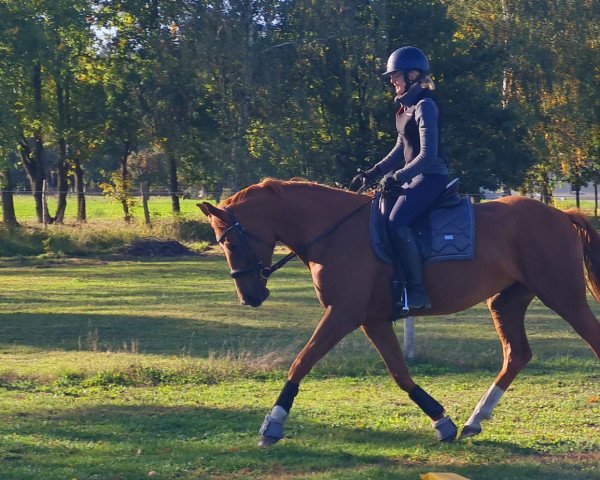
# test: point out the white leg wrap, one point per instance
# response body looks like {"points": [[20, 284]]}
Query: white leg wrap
{"points": [[271, 429], [278, 413], [486, 405]]}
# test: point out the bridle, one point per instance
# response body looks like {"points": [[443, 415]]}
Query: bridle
{"points": [[264, 271]]}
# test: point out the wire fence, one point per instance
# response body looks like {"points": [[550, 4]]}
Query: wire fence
{"points": [[200, 193]]}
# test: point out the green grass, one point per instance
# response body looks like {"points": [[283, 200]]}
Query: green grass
{"points": [[150, 369], [99, 207]]}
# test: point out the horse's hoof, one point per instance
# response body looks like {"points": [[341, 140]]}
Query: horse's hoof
{"points": [[270, 431], [445, 430], [469, 431], [265, 441]]}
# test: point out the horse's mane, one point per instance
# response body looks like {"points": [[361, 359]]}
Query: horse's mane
{"points": [[276, 187]]}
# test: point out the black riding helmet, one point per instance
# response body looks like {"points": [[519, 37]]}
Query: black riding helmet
{"points": [[406, 59]]}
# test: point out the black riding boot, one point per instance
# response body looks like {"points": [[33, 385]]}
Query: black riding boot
{"points": [[409, 256], [400, 307]]}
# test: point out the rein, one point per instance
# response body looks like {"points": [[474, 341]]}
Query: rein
{"points": [[264, 271]]}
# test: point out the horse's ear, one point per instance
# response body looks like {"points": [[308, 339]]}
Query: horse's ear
{"points": [[210, 210]]}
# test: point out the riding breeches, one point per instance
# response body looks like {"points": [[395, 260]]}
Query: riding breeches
{"points": [[416, 198]]}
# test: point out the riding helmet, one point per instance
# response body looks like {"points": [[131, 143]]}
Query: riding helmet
{"points": [[405, 59]]}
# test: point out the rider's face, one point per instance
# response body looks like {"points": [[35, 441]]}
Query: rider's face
{"points": [[397, 80]]}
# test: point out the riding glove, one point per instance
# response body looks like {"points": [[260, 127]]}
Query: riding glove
{"points": [[399, 177], [389, 183], [367, 177]]}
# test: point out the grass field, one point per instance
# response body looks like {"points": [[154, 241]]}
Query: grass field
{"points": [[99, 207], [150, 369]]}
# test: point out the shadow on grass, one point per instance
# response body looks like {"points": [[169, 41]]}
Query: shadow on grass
{"points": [[131, 441], [113, 441], [154, 335], [197, 338]]}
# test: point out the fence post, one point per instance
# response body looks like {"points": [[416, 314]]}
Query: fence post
{"points": [[45, 203], [409, 338]]}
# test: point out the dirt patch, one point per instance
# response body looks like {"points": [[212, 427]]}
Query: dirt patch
{"points": [[154, 247]]}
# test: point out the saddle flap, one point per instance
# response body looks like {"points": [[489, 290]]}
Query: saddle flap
{"points": [[448, 232]]}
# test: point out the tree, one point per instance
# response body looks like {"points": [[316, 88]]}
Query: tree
{"points": [[123, 79], [70, 41], [8, 132], [48, 41], [485, 129], [29, 47]]}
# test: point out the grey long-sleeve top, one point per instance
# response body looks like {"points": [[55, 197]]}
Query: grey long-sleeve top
{"points": [[417, 146]]}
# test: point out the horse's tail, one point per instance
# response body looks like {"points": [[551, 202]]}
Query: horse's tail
{"points": [[591, 249]]}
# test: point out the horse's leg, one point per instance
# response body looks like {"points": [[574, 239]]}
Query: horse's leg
{"points": [[508, 311], [586, 325], [573, 307], [384, 339], [335, 324], [559, 280]]}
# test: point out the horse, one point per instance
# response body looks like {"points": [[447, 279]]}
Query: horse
{"points": [[523, 249]]}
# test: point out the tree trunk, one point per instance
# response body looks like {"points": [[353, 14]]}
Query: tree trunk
{"points": [[64, 121], [595, 200], [32, 161], [507, 71], [546, 194], [63, 181], [46, 218], [9, 219], [145, 195], [125, 183], [79, 187], [218, 192], [174, 184]]}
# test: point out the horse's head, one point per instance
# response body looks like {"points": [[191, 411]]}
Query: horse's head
{"points": [[248, 253]]}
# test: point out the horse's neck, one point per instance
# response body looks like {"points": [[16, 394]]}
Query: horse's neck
{"points": [[303, 214]]}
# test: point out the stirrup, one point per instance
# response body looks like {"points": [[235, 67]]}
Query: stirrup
{"points": [[400, 309]]}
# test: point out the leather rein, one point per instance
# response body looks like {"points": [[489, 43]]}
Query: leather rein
{"points": [[263, 270]]}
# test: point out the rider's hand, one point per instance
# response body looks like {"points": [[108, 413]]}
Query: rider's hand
{"points": [[365, 178], [389, 183], [358, 179], [399, 177]]}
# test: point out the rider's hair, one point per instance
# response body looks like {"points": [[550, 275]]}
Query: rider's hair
{"points": [[427, 82]]}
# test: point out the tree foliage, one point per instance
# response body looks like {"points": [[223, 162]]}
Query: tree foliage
{"points": [[227, 92]]}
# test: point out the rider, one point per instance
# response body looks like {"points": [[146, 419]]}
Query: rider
{"points": [[415, 160]]}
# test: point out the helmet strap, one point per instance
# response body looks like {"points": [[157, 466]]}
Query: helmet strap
{"points": [[409, 83]]}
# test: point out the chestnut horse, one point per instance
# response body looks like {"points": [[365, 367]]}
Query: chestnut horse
{"points": [[524, 249]]}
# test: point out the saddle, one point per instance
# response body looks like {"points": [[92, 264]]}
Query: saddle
{"points": [[445, 231]]}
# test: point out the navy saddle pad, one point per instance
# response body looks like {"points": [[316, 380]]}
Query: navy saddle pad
{"points": [[445, 231]]}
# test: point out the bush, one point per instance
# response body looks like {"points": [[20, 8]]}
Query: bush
{"points": [[185, 230], [19, 241], [60, 244], [108, 237]]}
